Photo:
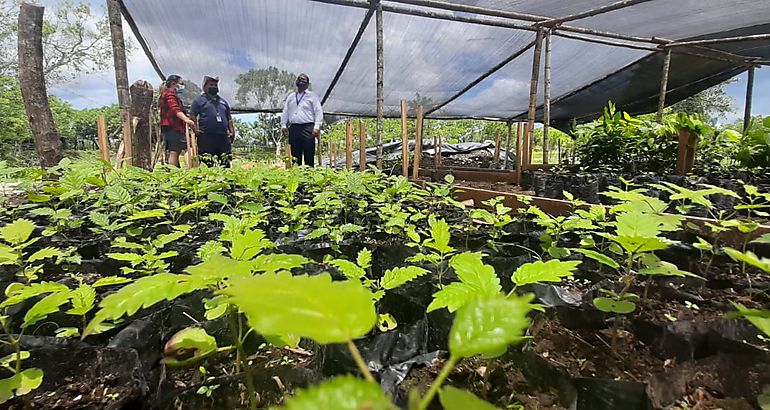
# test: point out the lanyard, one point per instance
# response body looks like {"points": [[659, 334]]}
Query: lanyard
{"points": [[299, 99]]}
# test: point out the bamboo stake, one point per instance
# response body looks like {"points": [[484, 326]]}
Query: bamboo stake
{"points": [[749, 98], [533, 97], [318, 146], [404, 142], [188, 151], [349, 145], [519, 149], [418, 143], [497, 146], [289, 158], [508, 147], [547, 97], [664, 85], [101, 131], [380, 80], [438, 157], [361, 145], [119, 154], [331, 154]]}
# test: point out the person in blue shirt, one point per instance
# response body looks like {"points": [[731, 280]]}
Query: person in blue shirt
{"points": [[215, 124]]}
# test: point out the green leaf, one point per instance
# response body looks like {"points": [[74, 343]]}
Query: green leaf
{"points": [[20, 384], [218, 198], [340, 393], [453, 398], [396, 277], [219, 268], [143, 293], [9, 361], [487, 325], [82, 298], [764, 238], [44, 307], [348, 268], [44, 253], [599, 257], [110, 281], [666, 268], [192, 338], [118, 194], [307, 306], [452, 296], [39, 198], [17, 293], [758, 318], [440, 236], [551, 271], [17, 231], [210, 249], [749, 257], [364, 259], [193, 206], [165, 239], [215, 307], [8, 256], [614, 306], [276, 262], [317, 233], [386, 322], [147, 214], [472, 271], [134, 258], [249, 244]]}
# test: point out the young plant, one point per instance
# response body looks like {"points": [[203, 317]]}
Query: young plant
{"points": [[497, 219], [434, 249], [15, 239]]}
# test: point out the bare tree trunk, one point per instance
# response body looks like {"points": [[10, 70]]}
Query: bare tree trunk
{"points": [[32, 83], [121, 75], [141, 109]]}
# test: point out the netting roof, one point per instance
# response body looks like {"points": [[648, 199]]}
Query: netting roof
{"points": [[456, 69]]}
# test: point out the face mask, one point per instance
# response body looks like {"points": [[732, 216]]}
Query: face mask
{"points": [[180, 89], [301, 83], [213, 90]]}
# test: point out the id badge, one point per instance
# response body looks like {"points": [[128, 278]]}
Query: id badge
{"points": [[219, 118]]}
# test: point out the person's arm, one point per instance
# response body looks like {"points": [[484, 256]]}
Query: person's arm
{"points": [[319, 116], [176, 110], [195, 109], [285, 117], [230, 126]]}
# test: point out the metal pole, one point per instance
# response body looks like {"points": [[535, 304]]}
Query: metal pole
{"points": [[533, 98], [664, 84], [380, 93], [547, 96], [749, 97], [121, 75]]}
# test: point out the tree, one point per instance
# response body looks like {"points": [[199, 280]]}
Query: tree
{"points": [[75, 41], [711, 104], [264, 88]]}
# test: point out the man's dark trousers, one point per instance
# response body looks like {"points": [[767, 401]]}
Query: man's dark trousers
{"points": [[302, 143], [215, 150]]}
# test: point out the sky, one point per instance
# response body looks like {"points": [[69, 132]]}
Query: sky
{"points": [[98, 89]]}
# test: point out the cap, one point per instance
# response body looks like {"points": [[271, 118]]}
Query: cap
{"points": [[207, 78]]}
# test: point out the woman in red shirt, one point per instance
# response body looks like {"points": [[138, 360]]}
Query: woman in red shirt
{"points": [[173, 118]]}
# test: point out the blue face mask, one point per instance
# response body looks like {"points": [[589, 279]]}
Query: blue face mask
{"points": [[213, 91], [180, 89], [301, 83]]}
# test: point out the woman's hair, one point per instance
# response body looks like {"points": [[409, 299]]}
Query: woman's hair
{"points": [[172, 79]]}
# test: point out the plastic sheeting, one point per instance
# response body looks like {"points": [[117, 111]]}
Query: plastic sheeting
{"points": [[257, 48]]}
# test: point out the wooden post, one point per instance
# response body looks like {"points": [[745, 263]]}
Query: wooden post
{"points": [[417, 143], [361, 145], [380, 79], [141, 113], [508, 147], [319, 147], [497, 147], [438, 156], [547, 97], [121, 75], [289, 158], [188, 151], [404, 142], [348, 145], [101, 131], [533, 98], [32, 84], [749, 98], [685, 158], [519, 149], [332, 164], [663, 85]]}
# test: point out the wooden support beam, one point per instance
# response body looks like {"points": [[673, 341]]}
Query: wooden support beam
{"points": [[121, 76], [141, 112], [749, 99], [547, 97], [685, 158], [590, 13], [417, 143], [101, 131], [380, 79], [348, 145], [404, 142], [32, 84], [519, 149], [496, 158], [361, 145], [754, 37], [664, 85], [533, 96], [508, 146]]}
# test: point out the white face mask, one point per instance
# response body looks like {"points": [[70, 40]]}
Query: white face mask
{"points": [[180, 88]]}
